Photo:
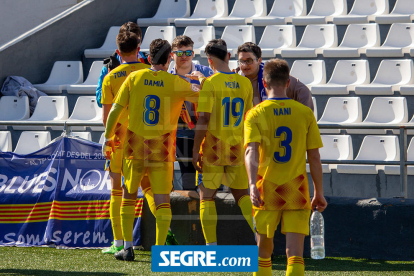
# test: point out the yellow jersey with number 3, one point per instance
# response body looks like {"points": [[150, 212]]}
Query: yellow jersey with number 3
{"points": [[227, 97], [285, 129], [154, 100]]}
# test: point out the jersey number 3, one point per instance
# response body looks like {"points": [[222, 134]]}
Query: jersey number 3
{"points": [[236, 110], [285, 136], [151, 107]]}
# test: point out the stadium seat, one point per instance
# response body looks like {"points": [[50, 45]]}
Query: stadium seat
{"points": [[167, 12], [400, 41], [390, 76], [315, 39], [102, 139], [342, 110], [201, 35], [204, 13], [395, 170], [309, 72], [83, 135], [346, 74], [315, 108], [236, 36], [31, 141], [407, 89], [91, 82], [357, 39], [86, 110], [5, 141], [243, 12], [277, 37], [373, 148], [173, 63], [363, 11], [387, 110], [282, 13], [63, 74], [14, 108], [109, 46], [154, 32], [403, 12], [322, 12]]}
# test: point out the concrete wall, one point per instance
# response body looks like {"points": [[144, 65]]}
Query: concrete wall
{"points": [[19, 16], [354, 227]]}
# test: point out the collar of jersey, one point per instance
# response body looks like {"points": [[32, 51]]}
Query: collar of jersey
{"points": [[131, 62], [228, 73], [278, 99]]}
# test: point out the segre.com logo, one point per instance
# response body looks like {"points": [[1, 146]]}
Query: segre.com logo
{"points": [[197, 258]]}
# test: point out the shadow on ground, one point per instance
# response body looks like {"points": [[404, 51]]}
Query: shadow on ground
{"points": [[54, 272]]}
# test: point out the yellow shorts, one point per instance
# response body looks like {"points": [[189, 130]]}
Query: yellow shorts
{"points": [[160, 175], [115, 164], [293, 221], [234, 177]]}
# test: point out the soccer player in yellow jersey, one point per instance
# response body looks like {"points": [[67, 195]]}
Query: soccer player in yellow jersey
{"points": [[278, 133], [128, 47], [154, 99], [218, 150]]}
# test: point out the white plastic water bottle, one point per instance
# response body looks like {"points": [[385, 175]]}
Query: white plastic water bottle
{"points": [[317, 230]]}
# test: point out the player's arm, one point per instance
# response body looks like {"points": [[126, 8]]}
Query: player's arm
{"points": [[315, 167], [113, 118], [251, 159], [200, 133], [107, 98], [105, 112]]}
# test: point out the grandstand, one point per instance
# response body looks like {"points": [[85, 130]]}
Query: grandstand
{"points": [[354, 55]]}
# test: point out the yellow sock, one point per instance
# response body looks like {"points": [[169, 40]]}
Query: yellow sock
{"points": [[115, 213], [208, 217], [295, 266], [127, 218], [150, 199], [163, 217], [247, 210], [265, 267]]}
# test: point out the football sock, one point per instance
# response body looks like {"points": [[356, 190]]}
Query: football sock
{"points": [[118, 243], [127, 218], [295, 266], [247, 210], [208, 218], [150, 199], [265, 267], [127, 244], [163, 219], [115, 214]]}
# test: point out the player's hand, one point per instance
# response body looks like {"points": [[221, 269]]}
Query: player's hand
{"points": [[255, 196], [195, 75], [108, 147], [319, 202], [197, 162]]}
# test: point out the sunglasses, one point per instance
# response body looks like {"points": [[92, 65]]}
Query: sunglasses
{"points": [[248, 61], [188, 53]]}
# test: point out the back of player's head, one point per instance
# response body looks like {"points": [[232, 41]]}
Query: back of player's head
{"points": [[131, 27], [127, 42], [217, 48], [250, 47], [182, 41], [160, 51], [276, 72]]}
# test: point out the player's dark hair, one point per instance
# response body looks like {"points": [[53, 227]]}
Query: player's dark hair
{"points": [[250, 47], [182, 41], [217, 48], [160, 50], [276, 72], [127, 42], [131, 27]]}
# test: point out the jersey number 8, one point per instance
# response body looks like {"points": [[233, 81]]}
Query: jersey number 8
{"points": [[151, 107]]}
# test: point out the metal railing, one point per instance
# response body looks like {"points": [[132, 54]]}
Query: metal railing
{"points": [[403, 163]]}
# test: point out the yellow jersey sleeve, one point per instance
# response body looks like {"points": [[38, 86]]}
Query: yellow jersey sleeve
{"points": [[313, 138], [206, 97], [123, 94], [249, 103], [188, 91], [251, 128], [107, 95]]}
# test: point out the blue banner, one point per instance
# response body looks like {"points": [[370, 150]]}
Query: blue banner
{"points": [[198, 258], [58, 195]]}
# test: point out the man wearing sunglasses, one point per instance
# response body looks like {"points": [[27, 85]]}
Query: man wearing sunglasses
{"points": [[183, 54], [251, 66]]}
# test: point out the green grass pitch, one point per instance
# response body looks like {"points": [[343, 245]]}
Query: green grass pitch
{"points": [[51, 261]]}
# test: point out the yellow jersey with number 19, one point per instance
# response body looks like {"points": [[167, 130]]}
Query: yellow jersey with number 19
{"points": [[154, 100], [285, 129], [227, 97]]}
